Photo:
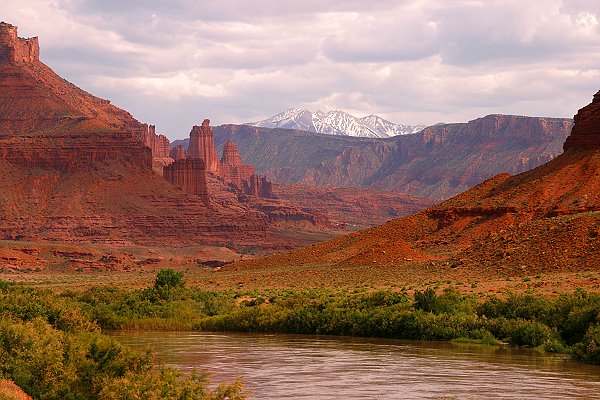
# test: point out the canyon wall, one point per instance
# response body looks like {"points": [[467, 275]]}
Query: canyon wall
{"points": [[202, 145]]}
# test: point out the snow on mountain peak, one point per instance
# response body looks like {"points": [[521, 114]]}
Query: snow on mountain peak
{"points": [[336, 122]]}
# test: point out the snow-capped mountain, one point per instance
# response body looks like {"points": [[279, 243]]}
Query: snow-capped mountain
{"points": [[336, 123]]}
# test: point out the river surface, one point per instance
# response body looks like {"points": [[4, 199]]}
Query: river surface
{"points": [[316, 367]]}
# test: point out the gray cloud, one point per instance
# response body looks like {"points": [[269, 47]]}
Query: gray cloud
{"points": [[175, 62]]}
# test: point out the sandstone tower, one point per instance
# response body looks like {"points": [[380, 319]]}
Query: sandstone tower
{"points": [[202, 145]]}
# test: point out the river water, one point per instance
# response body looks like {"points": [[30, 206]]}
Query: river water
{"points": [[317, 367]]}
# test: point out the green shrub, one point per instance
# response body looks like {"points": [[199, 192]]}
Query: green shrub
{"points": [[588, 350], [168, 278]]}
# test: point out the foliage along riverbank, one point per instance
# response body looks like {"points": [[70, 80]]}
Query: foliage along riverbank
{"points": [[52, 350], [52, 347], [569, 323]]}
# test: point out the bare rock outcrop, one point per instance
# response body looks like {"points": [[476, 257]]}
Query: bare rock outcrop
{"points": [[16, 49], [586, 131]]}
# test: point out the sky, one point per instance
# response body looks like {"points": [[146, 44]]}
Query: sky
{"points": [[173, 63]]}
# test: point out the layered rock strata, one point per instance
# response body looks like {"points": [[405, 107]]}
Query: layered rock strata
{"points": [[50, 124], [159, 144], [189, 175], [16, 49]]}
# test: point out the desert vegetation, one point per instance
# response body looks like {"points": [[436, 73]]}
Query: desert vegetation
{"points": [[51, 344]]}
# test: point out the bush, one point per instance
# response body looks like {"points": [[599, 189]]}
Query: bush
{"points": [[588, 350], [168, 278]]}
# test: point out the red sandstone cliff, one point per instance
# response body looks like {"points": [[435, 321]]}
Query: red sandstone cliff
{"points": [[159, 144], [241, 175], [74, 168], [177, 153], [189, 175], [47, 123], [586, 132]]}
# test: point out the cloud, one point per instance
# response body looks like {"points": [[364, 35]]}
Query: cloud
{"points": [[174, 62]]}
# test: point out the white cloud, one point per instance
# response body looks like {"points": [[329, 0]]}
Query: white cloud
{"points": [[412, 61]]}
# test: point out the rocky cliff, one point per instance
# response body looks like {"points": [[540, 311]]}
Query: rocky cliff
{"points": [[177, 152], [189, 175], [586, 132], [74, 168], [202, 145], [16, 49], [438, 162]]}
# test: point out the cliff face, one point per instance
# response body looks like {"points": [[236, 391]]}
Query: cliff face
{"points": [[189, 175], [16, 49], [586, 132], [177, 153], [158, 144], [438, 162], [47, 123]]}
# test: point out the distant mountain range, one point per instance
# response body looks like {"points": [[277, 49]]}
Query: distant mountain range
{"points": [[337, 123], [438, 162]]}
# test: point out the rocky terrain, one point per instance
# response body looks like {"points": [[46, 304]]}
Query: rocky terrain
{"points": [[439, 162], [75, 169], [543, 220]]}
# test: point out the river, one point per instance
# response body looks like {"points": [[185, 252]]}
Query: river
{"points": [[316, 367]]}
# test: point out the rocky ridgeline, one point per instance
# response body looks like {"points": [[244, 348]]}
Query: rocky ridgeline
{"points": [[75, 110]]}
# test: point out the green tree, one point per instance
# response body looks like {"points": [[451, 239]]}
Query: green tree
{"points": [[168, 278]]}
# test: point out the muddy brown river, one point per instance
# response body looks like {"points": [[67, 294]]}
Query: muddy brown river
{"points": [[316, 367]]}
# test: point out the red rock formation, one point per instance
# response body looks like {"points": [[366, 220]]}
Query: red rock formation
{"points": [[258, 186], [159, 144], [72, 168], [162, 147], [49, 124], [202, 145], [231, 168], [188, 174], [177, 153], [16, 49], [231, 156], [586, 131]]}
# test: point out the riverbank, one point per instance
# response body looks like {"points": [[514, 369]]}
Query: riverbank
{"points": [[52, 341]]}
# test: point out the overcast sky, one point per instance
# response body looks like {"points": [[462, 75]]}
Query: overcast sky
{"points": [[175, 62]]}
